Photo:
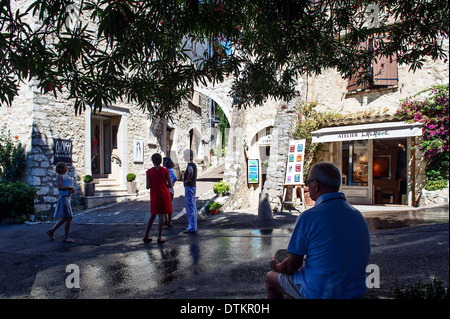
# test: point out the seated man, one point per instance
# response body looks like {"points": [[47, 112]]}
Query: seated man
{"points": [[329, 249]]}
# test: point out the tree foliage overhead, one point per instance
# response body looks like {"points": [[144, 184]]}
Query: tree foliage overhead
{"points": [[103, 51]]}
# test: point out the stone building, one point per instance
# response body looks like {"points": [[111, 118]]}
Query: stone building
{"points": [[263, 133], [108, 144], [121, 138]]}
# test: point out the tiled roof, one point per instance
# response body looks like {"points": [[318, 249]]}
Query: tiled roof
{"points": [[355, 119]]}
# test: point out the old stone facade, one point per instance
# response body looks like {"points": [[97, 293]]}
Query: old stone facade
{"points": [[121, 139], [103, 144], [330, 92]]}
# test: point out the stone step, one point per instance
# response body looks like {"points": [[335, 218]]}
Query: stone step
{"points": [[99, 181], [107, 186], [106, 197], [107, 191]]}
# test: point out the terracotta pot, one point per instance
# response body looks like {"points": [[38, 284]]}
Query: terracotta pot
{"points": [[215, 211]]}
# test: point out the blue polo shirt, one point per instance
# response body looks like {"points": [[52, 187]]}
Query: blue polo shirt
{"points": [[334, 239]]}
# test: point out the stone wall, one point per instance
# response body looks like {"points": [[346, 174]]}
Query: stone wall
{"points": [[284, 125], [247, 128], [329, 89], [438, 197], [192, 115]]}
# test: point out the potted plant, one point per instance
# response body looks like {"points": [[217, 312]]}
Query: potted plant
{"points": [[89, 186], [221, 188], [264, 165], [131, 183], [214, 208]]}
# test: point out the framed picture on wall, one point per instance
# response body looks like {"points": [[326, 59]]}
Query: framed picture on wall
{"points": [[138, 150], [382, 166], [253, 171]]}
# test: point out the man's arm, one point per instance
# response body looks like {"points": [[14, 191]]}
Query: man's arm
{"points": [[169, 182], [291, 264], [190, 174]]}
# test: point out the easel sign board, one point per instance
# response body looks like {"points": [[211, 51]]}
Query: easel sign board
{"points": [[295, 160], [253, 171]]}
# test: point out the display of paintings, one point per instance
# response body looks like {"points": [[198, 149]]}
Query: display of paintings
{"points": [[294, 169], [253, 171]]}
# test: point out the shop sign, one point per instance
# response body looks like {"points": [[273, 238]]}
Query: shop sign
{"points": [[62, 151], [265, 140], [367, 132]]}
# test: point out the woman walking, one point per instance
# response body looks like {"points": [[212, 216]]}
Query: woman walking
{"points": [[169, 165], [159, 182], [63, 209]]}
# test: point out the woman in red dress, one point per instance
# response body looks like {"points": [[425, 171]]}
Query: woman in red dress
{"points": [[159, 182]]}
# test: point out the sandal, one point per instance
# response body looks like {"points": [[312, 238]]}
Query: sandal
{"points": [[68, 240], [147, 240], [50, 234]]}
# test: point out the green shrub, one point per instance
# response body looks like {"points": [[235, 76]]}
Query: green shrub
{"points": [[131, 177], [436, 185], [214, 205], [221, 187], [88, 178], [16, 199], [12, 157], [435, 290]]}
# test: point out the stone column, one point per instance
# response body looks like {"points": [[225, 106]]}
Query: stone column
{"points": [[283, 127]]}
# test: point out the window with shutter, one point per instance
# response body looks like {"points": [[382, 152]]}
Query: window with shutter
{"points": [[353, 84], [384, 67], [383, 70]]}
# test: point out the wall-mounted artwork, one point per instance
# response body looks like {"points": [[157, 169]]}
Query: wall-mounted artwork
{"points": [[382, 166], [253, 171], [138, 150]]}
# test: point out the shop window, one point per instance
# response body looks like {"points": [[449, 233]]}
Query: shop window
{"points": [[355, 156], [381, 74]]}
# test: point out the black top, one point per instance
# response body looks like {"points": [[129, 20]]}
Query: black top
{"points": [[193, 180]]}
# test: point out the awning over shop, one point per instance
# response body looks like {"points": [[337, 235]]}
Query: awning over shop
{"points": [[367, 132]]}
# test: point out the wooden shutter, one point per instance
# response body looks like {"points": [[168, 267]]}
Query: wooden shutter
{"points": [[353, 81], [385, 71]]}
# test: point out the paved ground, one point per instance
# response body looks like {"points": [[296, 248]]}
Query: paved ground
{"points": [[227, 258]]}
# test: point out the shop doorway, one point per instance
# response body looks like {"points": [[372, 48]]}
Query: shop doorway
{"points": [[101, 146], [390, 171]]}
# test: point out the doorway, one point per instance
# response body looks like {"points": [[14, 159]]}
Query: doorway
{"points": [[390, 171], [101, 146]]}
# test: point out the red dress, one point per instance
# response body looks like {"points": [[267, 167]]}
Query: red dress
{"points": [[160, 202]]}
